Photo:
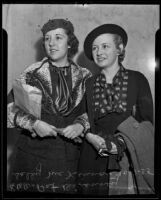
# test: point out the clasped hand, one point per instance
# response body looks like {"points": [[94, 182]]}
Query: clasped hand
{"points": [[73, 131], [44, 129]]}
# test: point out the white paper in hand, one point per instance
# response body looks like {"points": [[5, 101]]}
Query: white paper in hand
{"points": [[27, 98]]}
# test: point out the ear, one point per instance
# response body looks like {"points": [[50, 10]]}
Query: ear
{"points": [[120, 49]]}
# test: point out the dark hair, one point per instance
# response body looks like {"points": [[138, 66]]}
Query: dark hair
{"points": [[73, 44], [118, 40], [69, 29]]}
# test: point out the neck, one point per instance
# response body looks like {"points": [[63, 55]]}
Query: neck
{"points": [[110, 72], [60, 63]]}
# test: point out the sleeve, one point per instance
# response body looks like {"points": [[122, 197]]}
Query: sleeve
{"points": [[144, 107], [16, 117], [83, 117]]}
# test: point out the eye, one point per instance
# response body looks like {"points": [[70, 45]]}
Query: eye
{"points": [[46, 39], [105, 46], [94, 48], [58, 37]]}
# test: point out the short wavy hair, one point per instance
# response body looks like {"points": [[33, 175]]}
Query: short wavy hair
{"points": [[69, 29], [73, 43], [118, 40]]}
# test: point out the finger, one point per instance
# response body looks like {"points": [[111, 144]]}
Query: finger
{"points": [[52, 133], [113, 151], [33, 135], [100, 138], [78, 139], [102, 141], [59, 130], [97, 146], [103, 145], [82, 135], [69, 135], [67, 132], [114, 148], [73, 136], [53, 127]]}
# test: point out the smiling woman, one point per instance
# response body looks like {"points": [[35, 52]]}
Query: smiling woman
{"points": [[48, 143], [114, 96], [56, 45], [105, 53]]}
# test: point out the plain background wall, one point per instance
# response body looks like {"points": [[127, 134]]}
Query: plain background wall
{"points": [[23, 25]]}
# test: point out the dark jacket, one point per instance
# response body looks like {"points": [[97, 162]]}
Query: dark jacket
{"points": [[138, 96]]}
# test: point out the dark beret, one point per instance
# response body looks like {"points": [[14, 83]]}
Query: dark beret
{"points": [[105, 28]]}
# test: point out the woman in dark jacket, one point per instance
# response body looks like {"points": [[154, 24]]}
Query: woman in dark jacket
{"points": [[47, 151], [112, 96]]}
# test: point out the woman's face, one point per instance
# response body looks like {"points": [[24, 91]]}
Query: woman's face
{"points": [[56, 45], [104, 51]]}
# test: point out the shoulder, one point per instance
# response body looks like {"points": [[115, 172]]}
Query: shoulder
{"points": [[30, 69], [137, 75], [138, 79], [34, 66], [91, 80], [85, 72]]}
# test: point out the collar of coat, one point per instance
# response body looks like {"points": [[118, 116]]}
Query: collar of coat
{"points": [[79, 76]]}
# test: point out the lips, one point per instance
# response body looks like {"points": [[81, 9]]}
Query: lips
{"points": [[53, 50], [101, 59]]}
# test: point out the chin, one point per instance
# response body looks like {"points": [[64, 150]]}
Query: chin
{"points": [[102, 66], [53, 58]]}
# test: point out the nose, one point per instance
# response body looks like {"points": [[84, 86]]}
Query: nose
{"points": [[52, 42], [99, 51]]}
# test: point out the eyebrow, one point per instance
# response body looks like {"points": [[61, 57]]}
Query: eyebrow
{"points": [[57, 34], [61, 34], [101, 43]]}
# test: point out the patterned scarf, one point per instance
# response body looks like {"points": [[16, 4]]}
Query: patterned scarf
{"points": [[110, 97], [62, 97]]}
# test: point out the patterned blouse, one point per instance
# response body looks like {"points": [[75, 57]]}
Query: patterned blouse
{"points": [[110, 97]]}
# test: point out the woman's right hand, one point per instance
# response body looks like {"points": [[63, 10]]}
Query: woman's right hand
{"points": [[44, 129], [97, 141]]}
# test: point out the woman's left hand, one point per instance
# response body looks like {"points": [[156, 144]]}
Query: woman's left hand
{"points": [[73, 131]]}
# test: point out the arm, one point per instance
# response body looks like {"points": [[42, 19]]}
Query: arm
{"points": [[144, 107], [83, 117], [23, 120], [16, 117]]}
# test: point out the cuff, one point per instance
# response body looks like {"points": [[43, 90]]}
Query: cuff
{"points": [[83, 120], [25, 121]]}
